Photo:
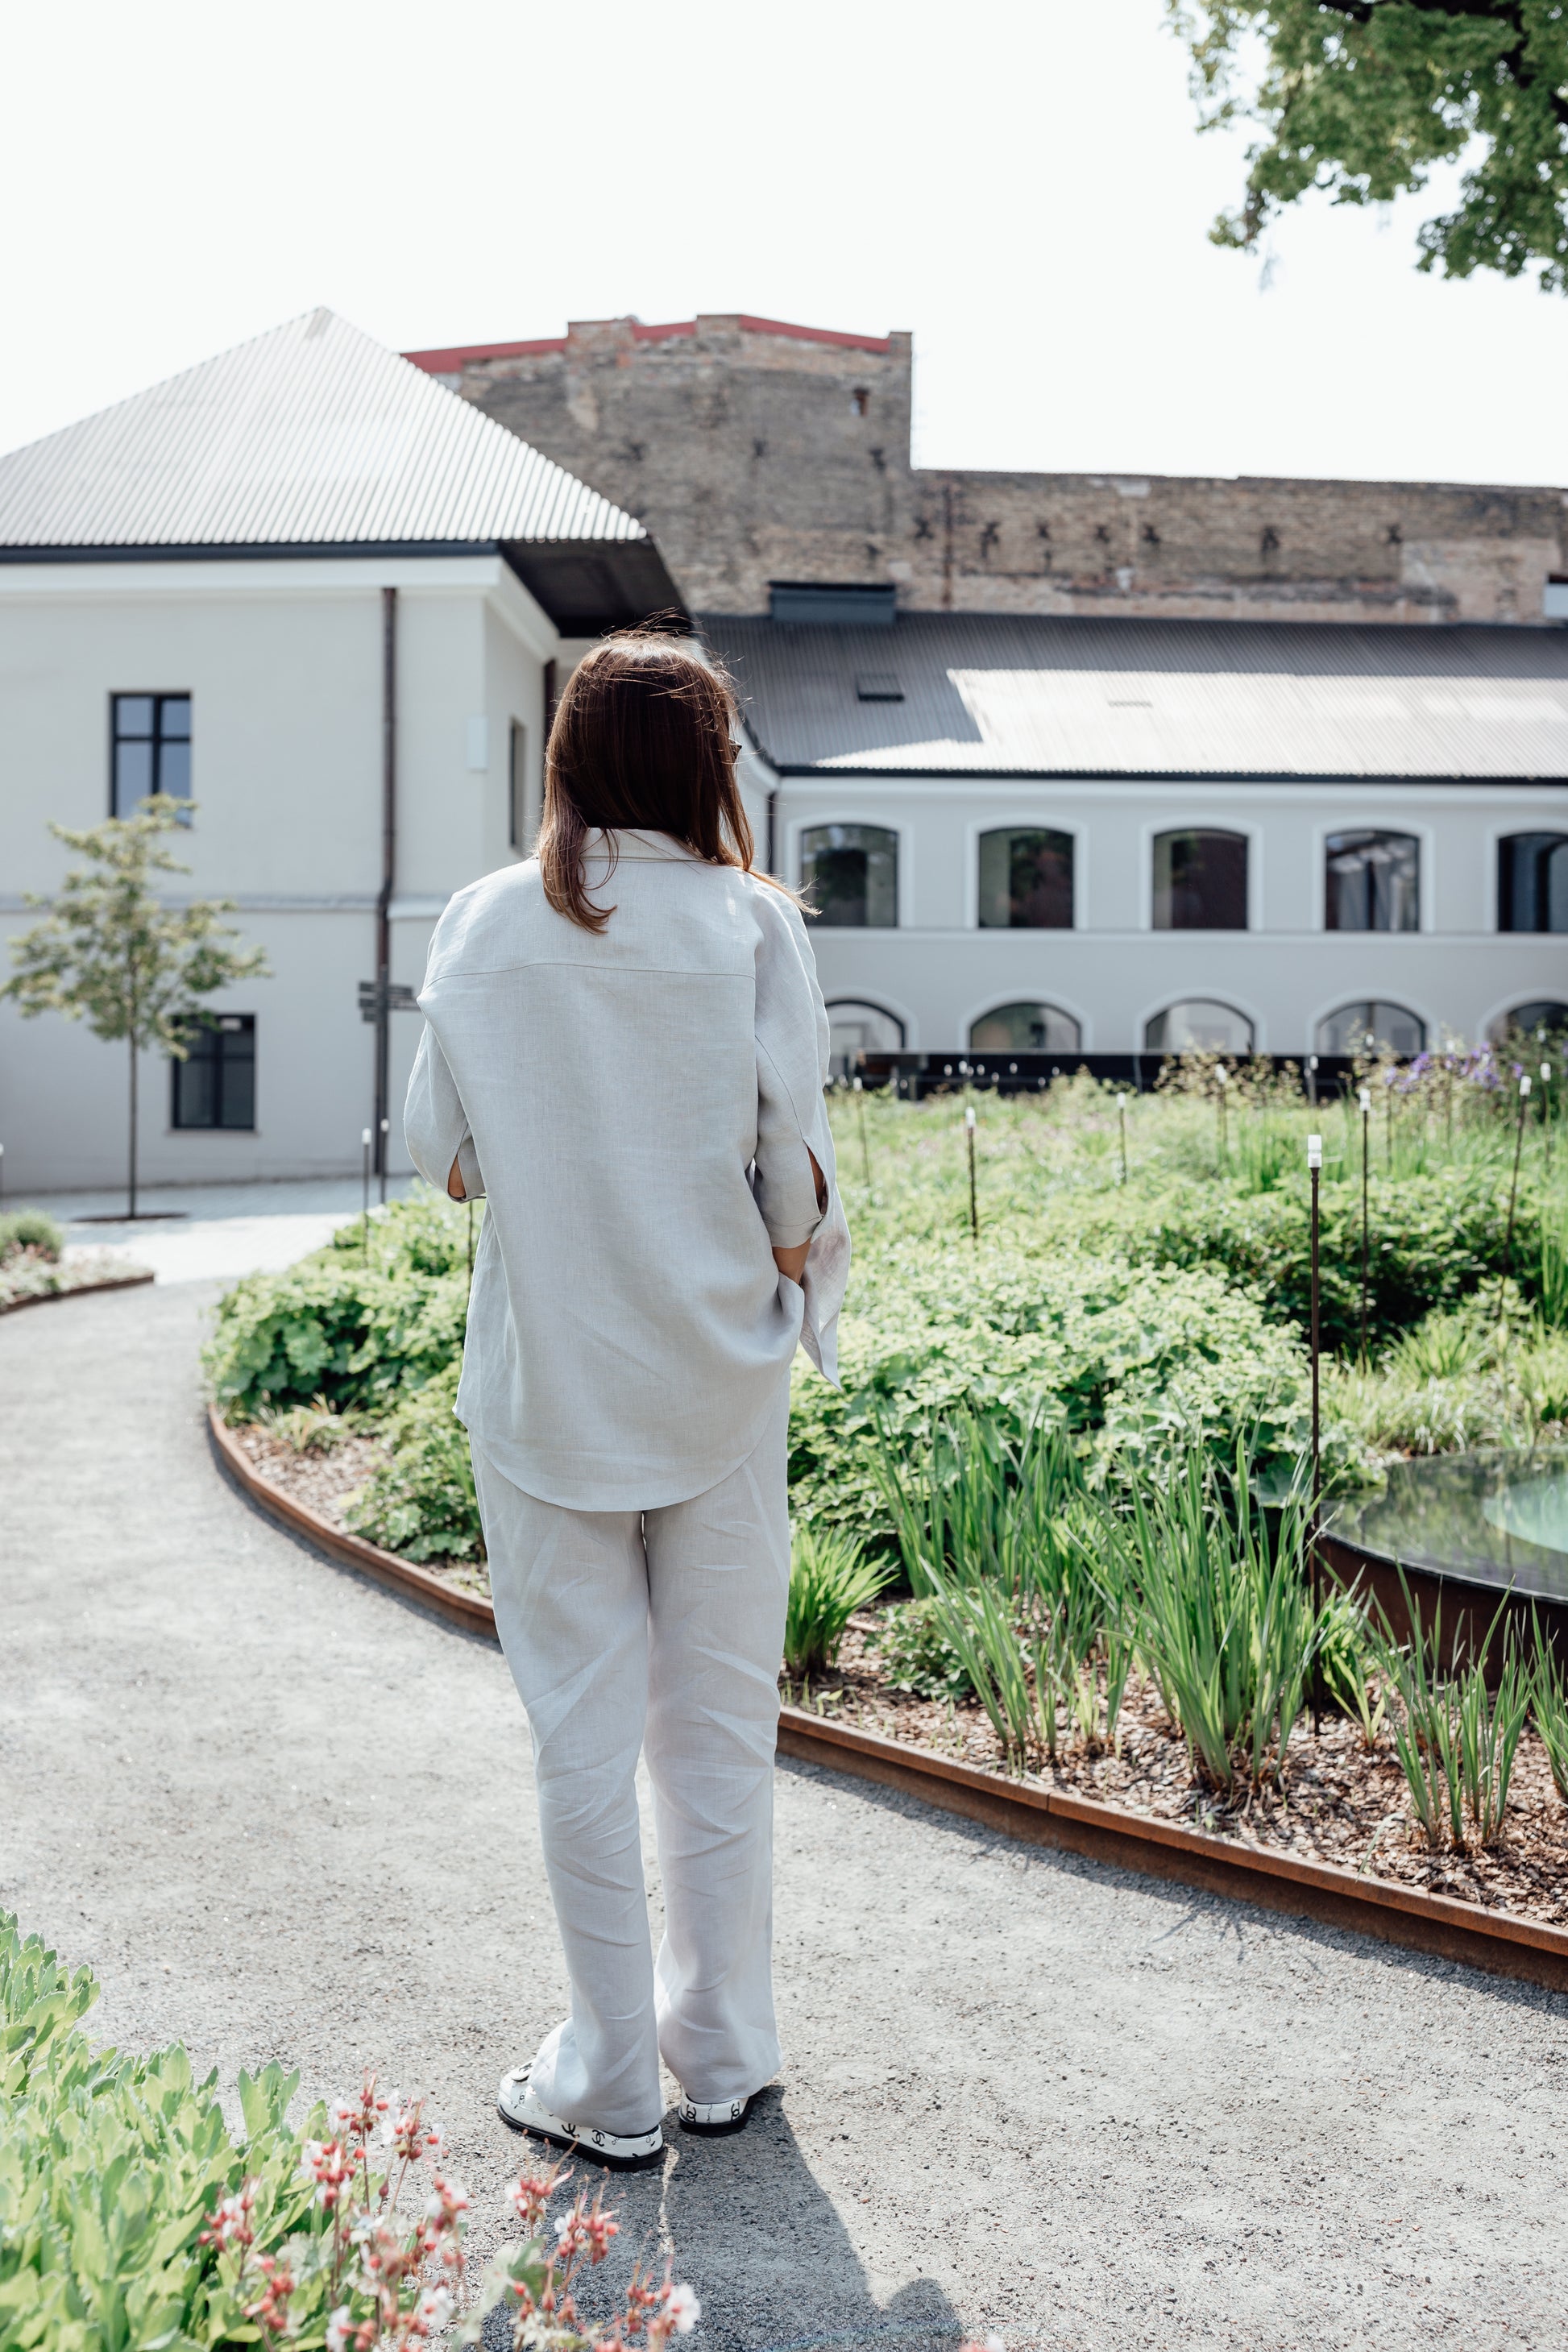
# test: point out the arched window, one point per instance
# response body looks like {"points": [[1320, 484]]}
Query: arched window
{"points": [[1349, 1030], [1025, 1029], [1198, 1025], [1026, 881], [1532, 882], [1372, 882], [1529, 1020], [1199, 882], [856, 1028], [852, 873]]}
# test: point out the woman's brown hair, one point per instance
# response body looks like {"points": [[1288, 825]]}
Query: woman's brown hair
{"points": [[644, 736]]}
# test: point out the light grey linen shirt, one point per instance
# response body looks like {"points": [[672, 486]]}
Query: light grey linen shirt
{"points": [[637, 1106]]}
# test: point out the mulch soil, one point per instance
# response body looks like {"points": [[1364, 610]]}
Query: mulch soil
{"points": [[1341, 1801]]}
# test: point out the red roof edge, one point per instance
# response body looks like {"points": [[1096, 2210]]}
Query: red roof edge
{"points": [[459, 355]]}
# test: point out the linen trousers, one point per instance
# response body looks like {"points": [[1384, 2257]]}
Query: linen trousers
{"points": [[659, 1632]]}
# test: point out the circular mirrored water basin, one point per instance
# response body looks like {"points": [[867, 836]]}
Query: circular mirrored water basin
{"points": [[1493, 1519]]}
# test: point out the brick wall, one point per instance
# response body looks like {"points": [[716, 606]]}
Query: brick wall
{"points": [[756, 452]]}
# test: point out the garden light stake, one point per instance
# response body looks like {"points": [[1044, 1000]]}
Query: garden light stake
{"points": [[1546, 1112], [1513, 1195], [974, 1206], [365, 1146], [1364, 1097], [1314, 1169], [385, 1132]]}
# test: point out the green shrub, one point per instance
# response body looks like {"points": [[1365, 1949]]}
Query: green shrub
{"points": [[1431, 1239], [422, 1502], [831, 1577], [914, 1654], [1128, 1360], [30, 1229], [353, 1329], [110, 2168]]}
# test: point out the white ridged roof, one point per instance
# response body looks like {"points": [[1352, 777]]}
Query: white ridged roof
{"points": [[1017, 694], [309, 435]]}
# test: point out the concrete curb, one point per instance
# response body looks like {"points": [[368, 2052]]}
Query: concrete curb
{"points": [[80, 1290], [1499, 1942]]}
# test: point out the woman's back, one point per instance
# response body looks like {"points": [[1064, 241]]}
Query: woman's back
{"points": [[643, 1102]]}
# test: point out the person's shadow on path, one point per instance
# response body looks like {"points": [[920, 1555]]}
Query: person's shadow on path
{"points": [[755, 2234]]}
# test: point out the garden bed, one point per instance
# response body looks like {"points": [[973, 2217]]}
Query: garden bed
{"points": [[1337, 1844], [1340, 1804], [29, 1278]]}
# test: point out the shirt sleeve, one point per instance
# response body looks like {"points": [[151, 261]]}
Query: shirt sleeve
{"points": [[436, 1125], [792, 1039]]}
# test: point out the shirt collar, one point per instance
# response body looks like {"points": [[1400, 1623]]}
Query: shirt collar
{"points": [[631, 843]]}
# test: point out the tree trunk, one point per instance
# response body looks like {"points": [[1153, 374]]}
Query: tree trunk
{"points": [[131, 1183]]}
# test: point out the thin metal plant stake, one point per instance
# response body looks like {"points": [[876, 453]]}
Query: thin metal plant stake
{"points": [[1513, 1196], [1122, 1108], [865, 1146], [1366, 1100], [365, 1146], [1546, 1113], [974, 1204], [1314, 1166]]}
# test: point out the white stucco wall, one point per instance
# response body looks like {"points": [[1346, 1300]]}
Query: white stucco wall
{"points": [[283, 660], [939, 972]]}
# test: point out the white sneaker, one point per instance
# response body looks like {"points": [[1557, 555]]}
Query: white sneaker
{"points": [[525, 2111], [710, 2119]]}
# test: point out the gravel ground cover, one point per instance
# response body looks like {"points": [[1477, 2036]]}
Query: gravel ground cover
{"points": [[287, 1816]]}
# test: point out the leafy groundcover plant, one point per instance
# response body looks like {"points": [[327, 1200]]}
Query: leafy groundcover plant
{"points": [[132, 2219]]}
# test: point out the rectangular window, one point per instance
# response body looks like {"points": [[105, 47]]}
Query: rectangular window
{"points": [[152, 751], [519, 812], [216, 1085]]}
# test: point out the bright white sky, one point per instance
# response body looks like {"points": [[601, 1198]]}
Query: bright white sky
{"points": [[1018, 181]]}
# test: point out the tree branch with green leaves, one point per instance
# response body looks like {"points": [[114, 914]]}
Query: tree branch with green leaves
{"points": [[1360, 100], [113, 953]]}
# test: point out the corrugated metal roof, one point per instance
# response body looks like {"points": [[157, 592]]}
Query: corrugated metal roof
{"points": [[309, 435], [999, 694]]}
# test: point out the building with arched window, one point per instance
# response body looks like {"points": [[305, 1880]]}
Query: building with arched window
{"points": [[1129, 836]]}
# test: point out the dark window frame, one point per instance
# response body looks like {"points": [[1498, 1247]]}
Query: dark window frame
{"points": [[1363, 836], [1059, 840], [1021, 1004], [1235, 839], [158, 738], [208, 1052], [1508, 892], [806, 857]]}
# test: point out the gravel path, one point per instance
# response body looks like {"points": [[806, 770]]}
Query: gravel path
{"points": [[285, 1816]]}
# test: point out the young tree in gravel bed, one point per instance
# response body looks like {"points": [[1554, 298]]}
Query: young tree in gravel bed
{"points": [[113, 953]]}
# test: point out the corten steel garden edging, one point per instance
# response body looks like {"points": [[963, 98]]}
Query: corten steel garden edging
{"points": [[77, 1290], [468, 1610], [1499, 1942]]}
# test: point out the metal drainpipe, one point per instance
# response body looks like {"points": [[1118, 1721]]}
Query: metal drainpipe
{"points": [[388, 873]]}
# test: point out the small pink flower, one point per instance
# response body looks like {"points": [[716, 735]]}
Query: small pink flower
{"points": [[339, 2328]]}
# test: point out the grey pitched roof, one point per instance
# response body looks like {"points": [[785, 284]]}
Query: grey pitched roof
{"points": [[312, 434], [995, 694]]}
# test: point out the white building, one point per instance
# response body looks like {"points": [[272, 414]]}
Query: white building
{"points": [[1124, 837], [282, 583]]}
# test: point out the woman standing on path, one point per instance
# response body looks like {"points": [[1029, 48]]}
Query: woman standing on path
{"points": [[625, 1055]]}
